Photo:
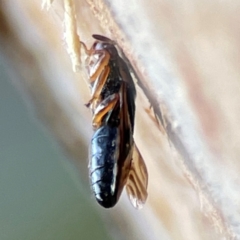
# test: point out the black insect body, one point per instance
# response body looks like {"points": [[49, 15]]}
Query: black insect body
{"points": [[103, 167], [115, 161]]}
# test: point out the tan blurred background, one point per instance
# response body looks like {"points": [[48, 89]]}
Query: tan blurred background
{"points": [[185, 56]]}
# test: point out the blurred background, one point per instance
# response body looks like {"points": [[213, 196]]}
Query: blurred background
{"points": [[41, 193], [185, 57]]}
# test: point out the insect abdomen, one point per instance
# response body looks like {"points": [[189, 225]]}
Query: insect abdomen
{"points": [[103, 165]]}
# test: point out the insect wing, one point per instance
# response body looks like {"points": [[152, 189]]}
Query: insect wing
{"points": [[137, 182]]}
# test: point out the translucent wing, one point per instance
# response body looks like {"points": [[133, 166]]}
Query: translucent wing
{"points": [[137, 180]]}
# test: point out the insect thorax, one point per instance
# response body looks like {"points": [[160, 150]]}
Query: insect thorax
{"points": [[113, 82]]}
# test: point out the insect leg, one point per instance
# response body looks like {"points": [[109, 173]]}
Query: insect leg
{"points": [[87, 51], [103, 108], [98, 85], [96, 64]]}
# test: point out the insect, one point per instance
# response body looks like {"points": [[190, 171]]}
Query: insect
{"points": [[115, 161]]}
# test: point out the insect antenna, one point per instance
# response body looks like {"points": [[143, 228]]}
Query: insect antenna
{"points": [[103, 39]]}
